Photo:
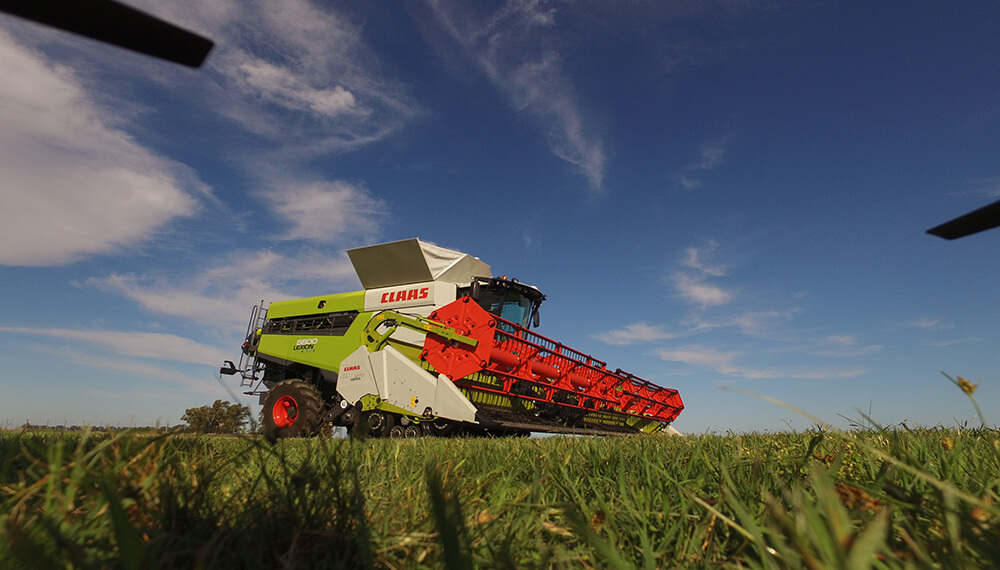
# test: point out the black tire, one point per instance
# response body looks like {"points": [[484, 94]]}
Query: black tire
{"points": [[378, 423], [292, 409], [439, 427]]}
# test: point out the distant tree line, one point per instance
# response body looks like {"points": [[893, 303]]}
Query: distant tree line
{"points": [[220, 417], [28, 426]]}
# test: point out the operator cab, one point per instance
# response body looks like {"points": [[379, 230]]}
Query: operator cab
{"points": [[508, 299]]}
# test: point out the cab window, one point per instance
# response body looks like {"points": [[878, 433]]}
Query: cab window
{"points": [[507, 304]]}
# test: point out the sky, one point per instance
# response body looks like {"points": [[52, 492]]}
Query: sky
{"points": [[720, 197]]}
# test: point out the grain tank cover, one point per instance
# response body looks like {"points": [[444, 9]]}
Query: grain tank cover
{"points": [[413, 261]]}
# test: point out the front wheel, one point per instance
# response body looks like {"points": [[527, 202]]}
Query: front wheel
{"points": [[292, 409], [378, 423], [439, 427]]}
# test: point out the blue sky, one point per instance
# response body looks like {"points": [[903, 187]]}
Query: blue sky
{"points": [[712, 194]]}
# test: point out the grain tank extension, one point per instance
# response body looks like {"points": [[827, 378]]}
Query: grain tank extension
{"points": [[433, 345]]}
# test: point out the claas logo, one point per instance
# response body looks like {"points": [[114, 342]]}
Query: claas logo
{"points": [[405, 295]]}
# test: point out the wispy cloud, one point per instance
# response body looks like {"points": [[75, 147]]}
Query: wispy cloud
{"points": [[847, 346], [326, 212], [952, 342], [725, 363], [137, 369], [700, 356], [710, 156], [510, 47], [691, 284], [932, 327], [280, 86], [929, 323], [636, 333], [302, 78], [750, 323], [696, 258], [75, 183], [158, 346], [694, 290], [699, 280], [222, 294]]}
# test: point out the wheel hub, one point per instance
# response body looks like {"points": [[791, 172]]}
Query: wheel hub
{"points": [[285, 411]]}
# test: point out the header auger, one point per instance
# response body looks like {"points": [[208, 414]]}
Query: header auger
{"points": [[433, 346]]}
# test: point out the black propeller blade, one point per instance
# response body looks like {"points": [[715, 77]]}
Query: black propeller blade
{"points": [[114, 23], [984, 218]]}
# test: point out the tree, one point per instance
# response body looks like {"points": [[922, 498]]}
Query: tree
{"points": [[220, 417]]}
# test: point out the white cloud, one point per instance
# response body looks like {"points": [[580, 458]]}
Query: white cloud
{"points": [[281, 86], [710, 156], [691, 284], [304, 77], [752, 323], [137, 344], [688, 183], [74, 182], [797, 373], [137, 369], [952, 342], [222, 295], [929, 323], [696, 258], [198, 305], [842, 339], [510, 48], [723, 363], [695, 291], [699, 355], [847, 346], [635, 333], [326, 212], [301, 78]]}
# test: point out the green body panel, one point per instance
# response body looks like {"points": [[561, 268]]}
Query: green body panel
{"points": [[326, 353], [329, 350], [408, 350], [354, 301], [376, 340]]}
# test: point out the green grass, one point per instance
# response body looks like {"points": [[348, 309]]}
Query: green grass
{"points": [[816, 499]]}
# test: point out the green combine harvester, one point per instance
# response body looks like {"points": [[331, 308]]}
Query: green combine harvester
{"points": [[434, 345]]}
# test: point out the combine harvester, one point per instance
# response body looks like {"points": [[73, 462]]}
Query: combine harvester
{"points": [[433, 346]]}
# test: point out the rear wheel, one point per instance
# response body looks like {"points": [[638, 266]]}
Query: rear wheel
{"points": [[292, 409]]}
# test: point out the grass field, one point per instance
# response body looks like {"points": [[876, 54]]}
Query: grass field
{"points": [[817, 499]]}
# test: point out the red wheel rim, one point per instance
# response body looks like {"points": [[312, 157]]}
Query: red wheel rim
{"points": [[285, 411]]}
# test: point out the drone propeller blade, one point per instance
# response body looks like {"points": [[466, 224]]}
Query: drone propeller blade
{"points": [[114, 23], [984, 218]]}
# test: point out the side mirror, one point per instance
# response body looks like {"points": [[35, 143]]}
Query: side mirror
{"points": [[474, 293], [536, 320]]}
